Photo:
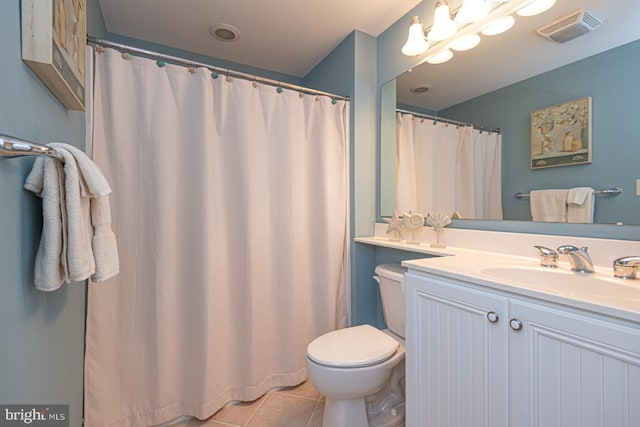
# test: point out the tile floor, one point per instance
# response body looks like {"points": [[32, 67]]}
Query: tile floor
{"points": [[299, 406]]}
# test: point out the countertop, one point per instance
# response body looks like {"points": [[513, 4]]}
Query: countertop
{"points": [[598, 292]]}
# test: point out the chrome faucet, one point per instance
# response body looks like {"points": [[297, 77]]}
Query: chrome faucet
{"points": [[548, 257], [626, 267], [578, 258]]}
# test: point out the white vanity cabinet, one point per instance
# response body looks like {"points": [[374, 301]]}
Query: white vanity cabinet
{"points": [[483, 357]]}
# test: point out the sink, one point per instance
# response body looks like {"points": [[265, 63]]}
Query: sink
{"points": [[568, 283]]}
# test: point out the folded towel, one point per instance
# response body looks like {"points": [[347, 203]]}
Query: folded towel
{"points": [[580, 205], [51, 265], [95, 188], [549, 205], [77, 241]]}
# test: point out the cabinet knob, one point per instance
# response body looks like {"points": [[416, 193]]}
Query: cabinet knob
{"points": [[515, 324], [492, 316]]}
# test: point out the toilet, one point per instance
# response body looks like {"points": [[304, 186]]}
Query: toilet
{"points": [[360, 370]]}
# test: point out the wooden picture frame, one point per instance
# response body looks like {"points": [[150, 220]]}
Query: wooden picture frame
{"points": [[53, 45], [561, 134]]}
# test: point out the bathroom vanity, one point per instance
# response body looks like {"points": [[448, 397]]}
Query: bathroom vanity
{"points": [[489, 357], [495, 339]]}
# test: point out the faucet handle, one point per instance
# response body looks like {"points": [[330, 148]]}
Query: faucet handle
{"points": [[626, 267], [548, 257], [564, 249]]}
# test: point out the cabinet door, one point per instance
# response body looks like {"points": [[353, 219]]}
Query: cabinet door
{"points": [[569, 369], [456, 357]]}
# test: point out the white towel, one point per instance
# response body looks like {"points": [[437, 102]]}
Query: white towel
{"points": [[549, 205], [77, 220], [51, 264], [580, 205]]}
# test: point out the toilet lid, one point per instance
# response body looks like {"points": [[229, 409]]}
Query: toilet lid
{"points": [[352, 347]]}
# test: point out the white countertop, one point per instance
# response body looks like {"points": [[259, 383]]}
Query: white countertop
{"points": [[597, 292]]}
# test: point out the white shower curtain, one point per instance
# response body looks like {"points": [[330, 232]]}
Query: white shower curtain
{"points": [[230, 206], [446, 168]]}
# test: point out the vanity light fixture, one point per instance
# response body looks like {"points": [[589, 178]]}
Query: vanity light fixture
{"points": [[416, 43], [474, 17], [499, 26], [466, 42], [443, 26], [472, 11], [442, 56], [536, 7]]}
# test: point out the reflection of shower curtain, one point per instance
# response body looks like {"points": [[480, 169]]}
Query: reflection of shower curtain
{"points": [[230, 206], [447, 168]]}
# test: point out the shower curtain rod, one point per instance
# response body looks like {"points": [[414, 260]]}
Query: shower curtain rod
{"points": [[94, 41], [450, 121]]}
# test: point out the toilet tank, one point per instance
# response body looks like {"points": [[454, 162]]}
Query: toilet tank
{"points": [[390, 277]]}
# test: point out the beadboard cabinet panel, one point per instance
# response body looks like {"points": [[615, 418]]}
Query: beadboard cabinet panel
{"points": [[458, 358]]}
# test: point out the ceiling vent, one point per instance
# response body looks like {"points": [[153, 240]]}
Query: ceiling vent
{"points": [[571, 26]]}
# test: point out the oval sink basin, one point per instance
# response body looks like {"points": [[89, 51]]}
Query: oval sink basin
{"points": [[567, 282]]}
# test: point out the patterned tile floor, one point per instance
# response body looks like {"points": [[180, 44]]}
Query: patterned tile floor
{"points": [[299, 406]]}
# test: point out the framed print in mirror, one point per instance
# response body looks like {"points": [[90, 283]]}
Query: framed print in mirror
{"points": [[53, 45], [561, 134]]}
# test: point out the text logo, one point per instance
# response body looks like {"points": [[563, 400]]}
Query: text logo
{"points": [[34, 415]]}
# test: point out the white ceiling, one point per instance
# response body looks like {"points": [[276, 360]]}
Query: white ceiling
{"points": [[288, 36], [519, 53], [292, 36]]}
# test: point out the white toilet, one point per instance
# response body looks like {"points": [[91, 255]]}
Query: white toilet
{"points": [[360, 370]]}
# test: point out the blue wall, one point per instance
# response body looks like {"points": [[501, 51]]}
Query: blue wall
{"points": [[612, 80], [41, 334], [351, 69]]}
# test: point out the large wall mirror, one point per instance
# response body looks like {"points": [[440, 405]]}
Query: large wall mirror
{"points": [[506, 77]]}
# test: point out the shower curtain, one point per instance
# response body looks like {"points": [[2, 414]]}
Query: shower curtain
{"points": [[442, 167], [230, 207]]}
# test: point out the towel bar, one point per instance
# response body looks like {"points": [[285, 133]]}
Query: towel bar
{"points": [[608, 192], [15, 147]]}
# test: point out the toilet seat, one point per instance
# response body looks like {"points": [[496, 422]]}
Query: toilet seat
{"points": [[353, 347]]}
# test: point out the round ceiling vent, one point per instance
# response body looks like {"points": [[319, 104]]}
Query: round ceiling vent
{"points": [[420, 89], [224, 32]]}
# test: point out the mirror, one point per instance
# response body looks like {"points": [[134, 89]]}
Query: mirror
{"points": [[499, 83]]}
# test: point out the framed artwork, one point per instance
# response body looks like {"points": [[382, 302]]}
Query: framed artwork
{"points": [[561, 134], [53, 45]]}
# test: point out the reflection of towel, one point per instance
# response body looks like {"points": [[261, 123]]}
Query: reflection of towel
{"points": [[580, 205], [549, 205], [77, 240]]}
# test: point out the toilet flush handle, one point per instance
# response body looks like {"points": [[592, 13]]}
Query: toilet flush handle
{"points": [[376, 278]]}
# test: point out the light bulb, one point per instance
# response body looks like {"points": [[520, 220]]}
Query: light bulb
{"points": [[416, 44], [443, 27], [472, 11], [499, 26], [466, 43], [440, 57], [536, 7]]}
